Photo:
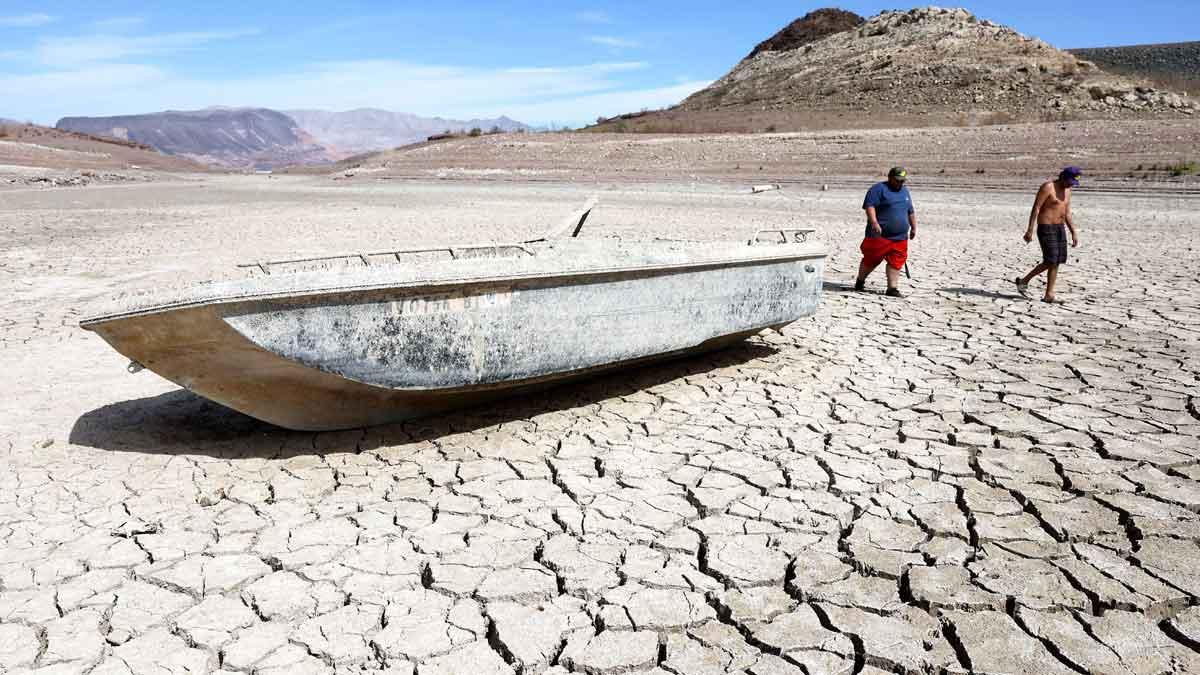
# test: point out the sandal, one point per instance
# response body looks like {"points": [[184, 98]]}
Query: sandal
{"points": [[1022, 287]]}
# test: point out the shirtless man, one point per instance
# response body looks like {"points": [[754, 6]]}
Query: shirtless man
{"points": [[1051, 212]]}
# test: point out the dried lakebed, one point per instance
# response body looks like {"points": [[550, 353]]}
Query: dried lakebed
{"points": [[960, 481]]}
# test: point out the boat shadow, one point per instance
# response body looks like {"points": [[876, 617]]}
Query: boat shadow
{"points": [[182, 423]]}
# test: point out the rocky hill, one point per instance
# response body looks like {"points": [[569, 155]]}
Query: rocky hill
{"points": [[368, 129], [925, 66], [232, 137], [1175, 65], [809, 28]]}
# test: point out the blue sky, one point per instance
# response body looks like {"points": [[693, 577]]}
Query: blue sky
{"points": [[540, 62]]}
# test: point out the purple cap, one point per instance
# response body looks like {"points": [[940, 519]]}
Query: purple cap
{"points": [[1071, 174]]}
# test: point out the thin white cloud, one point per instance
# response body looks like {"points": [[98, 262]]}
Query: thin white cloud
{"points": [[574, 95], [594, 16], [44, 97], [26, 20], [580, 110], [118, 24], [68, 52], [614, 42]]}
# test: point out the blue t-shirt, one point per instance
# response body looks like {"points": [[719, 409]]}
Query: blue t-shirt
{"points": [[891, 210]]}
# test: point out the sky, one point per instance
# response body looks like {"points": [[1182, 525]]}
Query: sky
{"points": [[543, 63]]}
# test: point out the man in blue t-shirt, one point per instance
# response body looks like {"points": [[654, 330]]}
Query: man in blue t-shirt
{"points": [[891, 222]]}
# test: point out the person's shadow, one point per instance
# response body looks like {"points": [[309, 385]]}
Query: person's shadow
{"points": [[182, 423], [995, 295], [837, 287]]}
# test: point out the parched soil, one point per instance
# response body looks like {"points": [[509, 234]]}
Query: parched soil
{"points": [[962, 480]]}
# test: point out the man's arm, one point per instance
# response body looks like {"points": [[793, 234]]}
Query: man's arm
{"points": [[876, 229], [912, 224], [1071, 223], [1042, 194], [869, 203]]}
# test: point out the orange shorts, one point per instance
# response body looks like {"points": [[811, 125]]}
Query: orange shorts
{"points": [[878, 249]]}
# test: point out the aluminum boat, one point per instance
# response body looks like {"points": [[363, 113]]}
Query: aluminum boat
{"points": [[360, 339]]}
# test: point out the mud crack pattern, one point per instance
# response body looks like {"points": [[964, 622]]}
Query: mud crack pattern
{"points": [[949, 484]]}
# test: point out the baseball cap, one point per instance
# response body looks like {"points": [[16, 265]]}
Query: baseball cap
{"points": [[1071, 174], [899, 173]]}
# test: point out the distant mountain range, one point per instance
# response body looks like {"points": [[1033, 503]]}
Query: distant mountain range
{"points": [[261, 137], [367, 129]]}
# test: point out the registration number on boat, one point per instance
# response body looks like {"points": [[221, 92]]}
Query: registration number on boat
{"points": [[452, 302]]}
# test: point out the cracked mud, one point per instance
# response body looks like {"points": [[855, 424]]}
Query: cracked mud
{"points": [[962, 481]]}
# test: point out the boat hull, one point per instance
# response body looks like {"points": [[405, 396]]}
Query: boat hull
{"points": [[353, 358]]}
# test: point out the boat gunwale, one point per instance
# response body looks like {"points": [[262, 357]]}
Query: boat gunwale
{"points": [[88, 323]]}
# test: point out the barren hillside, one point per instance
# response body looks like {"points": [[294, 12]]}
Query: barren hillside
{"points": [[923, 67], [241, 137], [1175, 65], [809, 28], [29, 145]]}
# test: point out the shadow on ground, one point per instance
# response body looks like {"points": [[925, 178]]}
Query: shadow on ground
{"points": [[837, 287], [996, 295], [182, 423]]}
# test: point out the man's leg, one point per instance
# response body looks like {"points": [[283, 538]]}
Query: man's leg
{"points": [[1042, 267], [893, 277], [864, 271], [1051, 279]]}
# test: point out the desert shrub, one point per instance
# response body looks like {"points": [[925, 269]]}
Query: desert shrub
{"points": [[1188, 168], [495, 130], [621, 127], [770, 129], [475, 131]]}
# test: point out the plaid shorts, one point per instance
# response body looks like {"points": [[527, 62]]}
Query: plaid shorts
{"points": [[1053, 239]]}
